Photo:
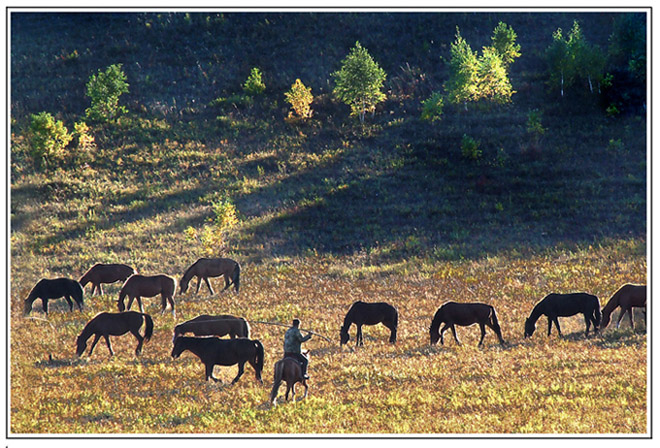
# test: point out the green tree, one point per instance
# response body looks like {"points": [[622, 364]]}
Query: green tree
{"points": [[254, 85], [432, 107], [359, 81], [559, 63], [492, 79], [463, 66], [104, 89], [504, 42], [48, 138], [627, 44]]}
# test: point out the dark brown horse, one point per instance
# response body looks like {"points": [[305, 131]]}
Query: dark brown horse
{"points": [[212, 267], [138, 286], [362, 313], [224, 352], [206, 325], [464, 315], [47, 289], [115, 324], [627, 297], [105, 273], [289, 371], [563, 305]]}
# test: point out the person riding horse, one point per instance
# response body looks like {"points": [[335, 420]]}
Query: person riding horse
{"points": [[292, 340]]}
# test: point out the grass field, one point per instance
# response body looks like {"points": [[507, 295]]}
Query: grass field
{"points": [[320, 214]]}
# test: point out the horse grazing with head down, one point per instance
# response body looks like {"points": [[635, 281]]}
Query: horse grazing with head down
{"points": [[212, 267], [138, 286], [224, 352], [47, 289], [564, 305], [105, 273], [289, 371], [362, 313], [627, 297], [206, 325], [464, 315], [115, 324]]}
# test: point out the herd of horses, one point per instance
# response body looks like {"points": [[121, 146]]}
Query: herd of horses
{"points": [[208, 330]]}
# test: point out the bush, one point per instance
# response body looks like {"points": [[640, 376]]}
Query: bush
{"points": [[470, 148], [300, 98], [85, 141], [432, 107], [254, 85], [104, 89], [224, 212], [48, 138], [359, 81]]}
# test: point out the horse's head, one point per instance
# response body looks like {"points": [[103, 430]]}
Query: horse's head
{"points": [[343, 335], [81, 345], [183, 286], [177, 349], [435, 336], [120, 305], [529, 328], [27, 307]]}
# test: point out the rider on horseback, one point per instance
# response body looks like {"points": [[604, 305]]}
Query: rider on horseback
{"points": [[292, 340]]}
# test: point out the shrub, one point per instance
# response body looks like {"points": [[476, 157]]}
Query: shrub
{"points": [[300, 98], [470, 148], [358, 82], [85, 141], [534, 126], [432, 107], [254, 85], [104, 89], [48, 138], [224, 212]]}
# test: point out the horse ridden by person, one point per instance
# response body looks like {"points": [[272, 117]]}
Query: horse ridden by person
{"points": [[105, 273], [49, 289], [464, 314], [290, 371], [292, 342], [212, 267]]}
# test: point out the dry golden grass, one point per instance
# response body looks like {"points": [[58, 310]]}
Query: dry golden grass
{"points": [[539, 385]]}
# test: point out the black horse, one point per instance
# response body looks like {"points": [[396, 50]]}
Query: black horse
{"points": [[464, 314], [362, 313], [563, 305], [47, 289], [223, 352], [115, 324]]}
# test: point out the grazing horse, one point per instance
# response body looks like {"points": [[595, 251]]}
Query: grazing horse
{"points": [[138, 286], [221, 325], [563, 305], [464, 314], [289, 371], [115, 324], [105, 273], [627, 297], [362, 313], [46, 289], [223, 352], [212, 267]]}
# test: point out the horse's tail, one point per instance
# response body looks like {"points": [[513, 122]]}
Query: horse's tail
{"points": [[149, 328], [77, 292], [236, 277], [597, 314], [277, 380], [246, 327], [493, 319], [259, 358]]}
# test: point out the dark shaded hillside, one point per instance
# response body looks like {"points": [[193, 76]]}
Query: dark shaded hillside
{"points": [[397, 187]]}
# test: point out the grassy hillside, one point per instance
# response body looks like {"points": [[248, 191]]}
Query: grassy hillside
{"points": [[327, 211]]}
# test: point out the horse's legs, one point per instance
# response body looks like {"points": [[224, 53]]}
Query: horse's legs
{"points": [[587, 321], [304, 383], [208, 285], [442, 334], [549, 325], [453, 330], [257, 373], [170, 299], [140, 339], [44, 306], [241, 369], [96, 339], [199, 281], [227, 282], [288, 389], [632, 318], [209, 372], [498, 332], [618, 321], [483, 333], [107, 341], [139, 301], [100, 289], [130, 302], [358, 336], [68, 300], [392, 328], [556, 320]]}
